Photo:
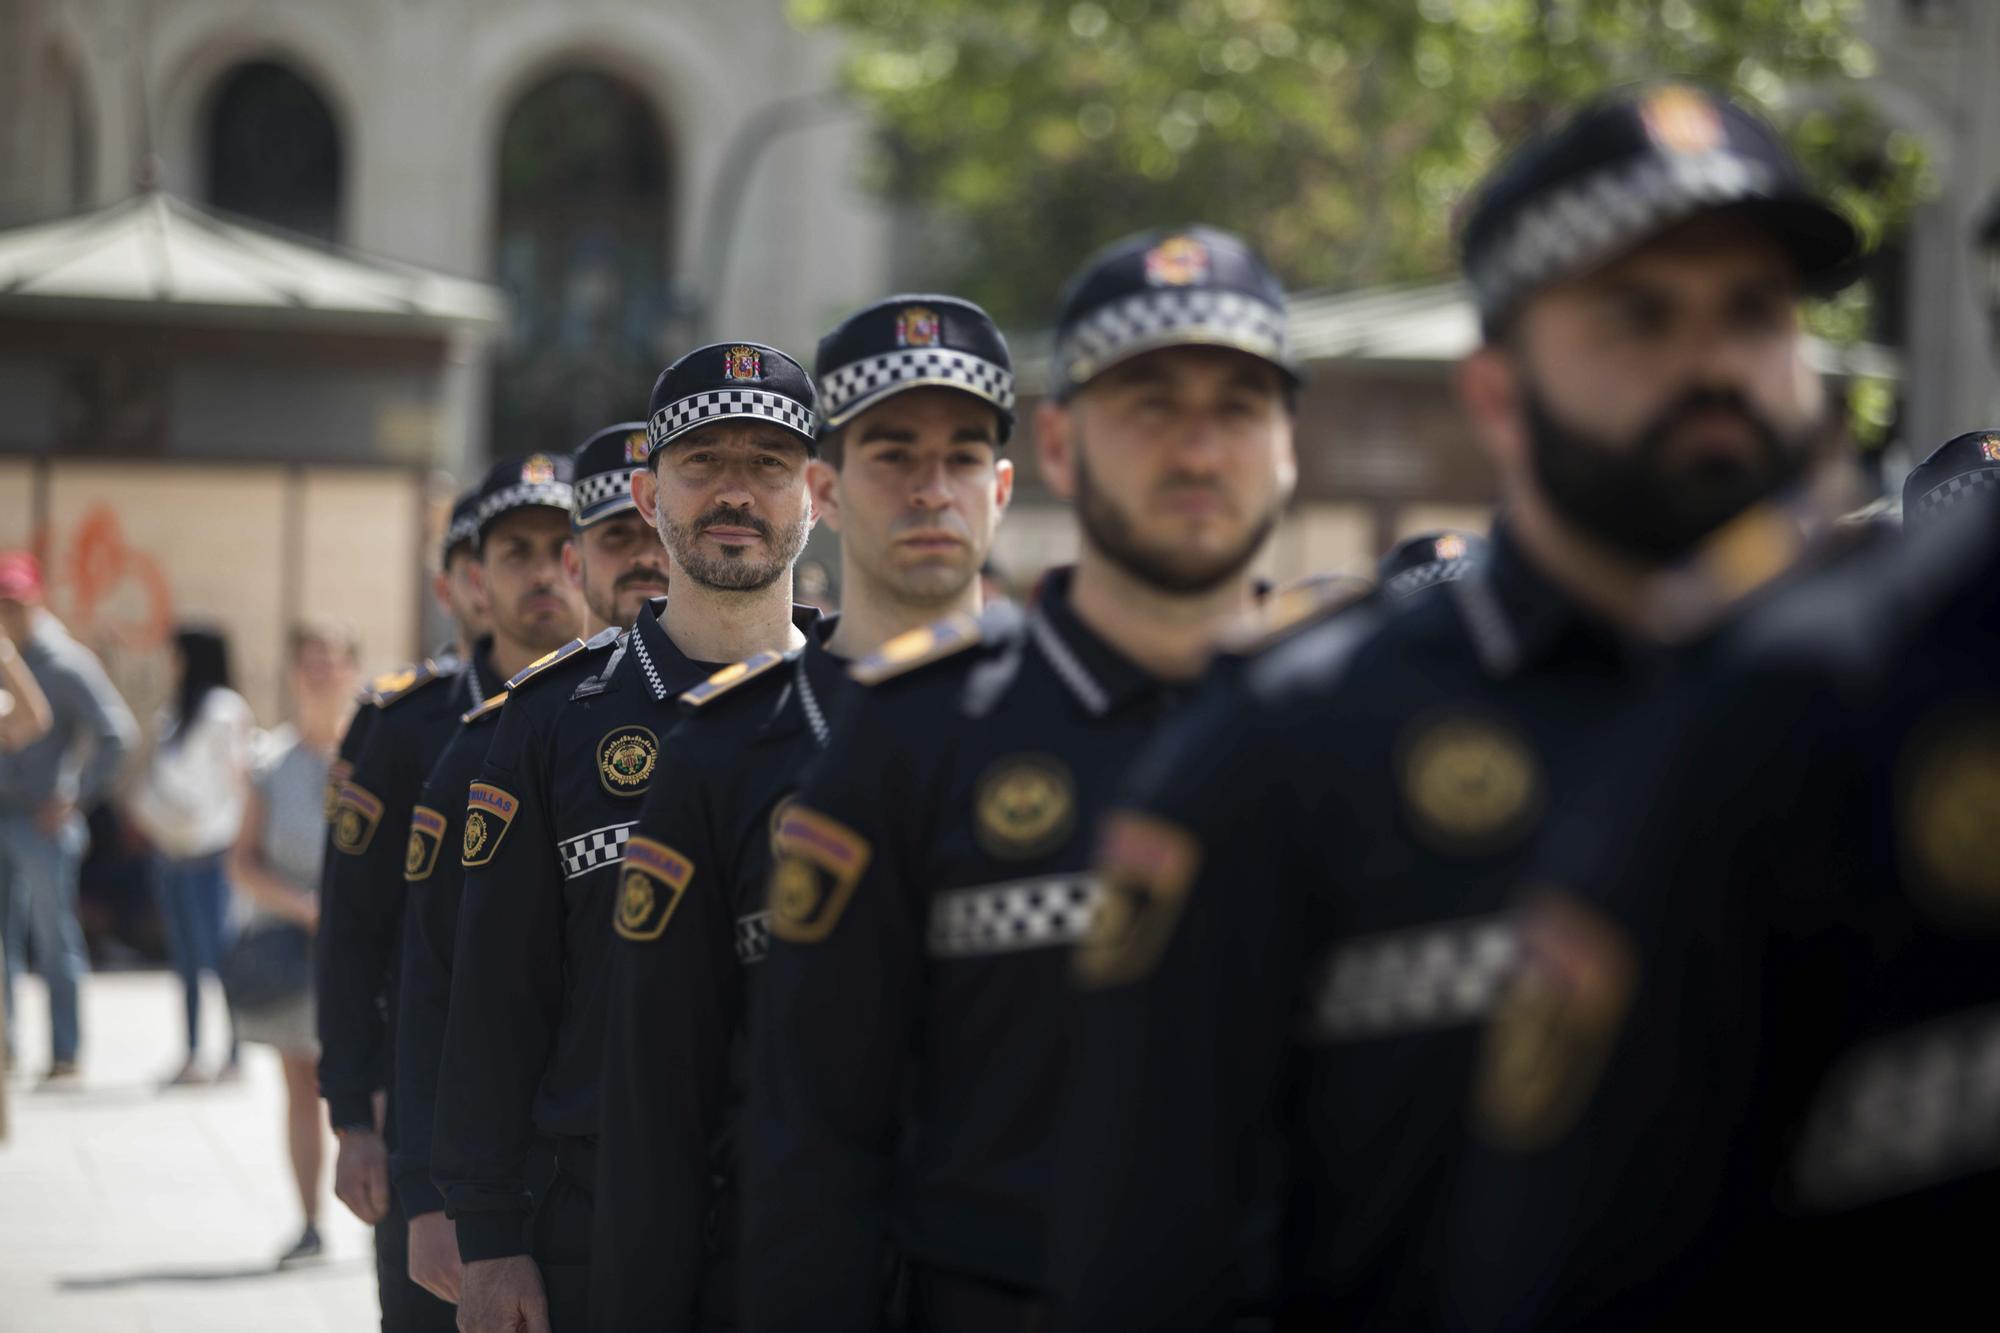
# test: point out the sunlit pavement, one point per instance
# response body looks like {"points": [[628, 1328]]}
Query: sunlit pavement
{"points": [[127, 1207]]}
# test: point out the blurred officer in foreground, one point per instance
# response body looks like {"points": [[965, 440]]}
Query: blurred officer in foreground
{"points": [[1959, 470], [1336, 836], [576, 749], [1426, 560], [910, 1033], [1745, 1071], [614, 561], [522, 522], [917, 396]]}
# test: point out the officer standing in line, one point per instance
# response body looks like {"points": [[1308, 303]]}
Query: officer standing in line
{"points": [[917, 395], [362, 918], [1337, 833], [910, 1033], [576, 749], [616, 565]]}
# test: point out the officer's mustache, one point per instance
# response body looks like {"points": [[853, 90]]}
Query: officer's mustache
{"points": [[1652, 442], [647, 574], [735, 518], [1177, 483]]}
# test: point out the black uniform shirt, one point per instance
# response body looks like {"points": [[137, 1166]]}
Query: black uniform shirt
{"points": [[435, 875], [1746, 1070], [690, 920], [911, 1027], [361, 921], [1304, 919]]}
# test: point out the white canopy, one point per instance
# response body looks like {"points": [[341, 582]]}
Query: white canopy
{"points": [[158, 256]]}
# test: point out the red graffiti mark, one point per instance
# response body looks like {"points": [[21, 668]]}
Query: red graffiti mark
{"points": [[117, 594]]}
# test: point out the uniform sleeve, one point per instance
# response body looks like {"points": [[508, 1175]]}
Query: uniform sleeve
{"points": [[506, 994], [832, 1017], [675, 1000], [434, 875], [104, 717], [1168, 1165], [361, 921]]}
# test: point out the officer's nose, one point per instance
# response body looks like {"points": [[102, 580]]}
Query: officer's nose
{"points": [[931, 493]]}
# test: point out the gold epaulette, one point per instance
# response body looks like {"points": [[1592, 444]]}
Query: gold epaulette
{"points": [[1302, 602], [486, 707], [731, 676], [918, 647], [401, 685]]}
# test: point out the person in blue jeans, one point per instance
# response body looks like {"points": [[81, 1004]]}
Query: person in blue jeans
{"points": [[190, 804], [42, 786]]}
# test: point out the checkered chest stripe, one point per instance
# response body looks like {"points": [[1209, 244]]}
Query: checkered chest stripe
{"points": [[593, 492], [594, 850], [1229, 317], [854, 384], [719, 404], [1013, 917], [753, 937], [1409, 981]]}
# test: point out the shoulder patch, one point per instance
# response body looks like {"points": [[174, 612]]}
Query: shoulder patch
{"points": [[1300, 603], [727, 679], [916, 648], [356, 811], [541, 664], [486, 708], [1146, 866], [404, 684], [651, 879], [488, 812], [819, 861], [427, 827]]}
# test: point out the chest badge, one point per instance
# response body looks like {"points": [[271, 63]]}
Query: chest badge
{"points": [[1025, 806], [1471, 785], [626, 759], [1949, 791]]}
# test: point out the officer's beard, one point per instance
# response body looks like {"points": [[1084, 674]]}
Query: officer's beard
{"points": [[1634, 497], [735, 568], [1167, 568]]}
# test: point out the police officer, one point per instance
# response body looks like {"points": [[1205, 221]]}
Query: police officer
{"points": [[614, 563], [1306, 889], [1426, 560], [918, 396], [910, 1036], [362, 921], [1744, 1069], [576, 748], [1958, 470]]}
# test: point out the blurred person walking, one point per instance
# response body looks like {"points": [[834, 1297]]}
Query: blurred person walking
{"points": [[189, 803], [24, 709], [275, 864], [42, 784]]}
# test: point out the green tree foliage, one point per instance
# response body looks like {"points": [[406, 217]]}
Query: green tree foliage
{"points": [[1341, 136]]}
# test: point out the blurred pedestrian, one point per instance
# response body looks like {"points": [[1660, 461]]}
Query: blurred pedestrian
{"points": [[190, 804], [41, 787], [24, 709], [275, 864]]}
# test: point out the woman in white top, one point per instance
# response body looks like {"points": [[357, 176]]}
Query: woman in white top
{"points": [[190, 804]]}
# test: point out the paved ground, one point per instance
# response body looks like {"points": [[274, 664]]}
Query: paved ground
{"points": [[130, 1209]]}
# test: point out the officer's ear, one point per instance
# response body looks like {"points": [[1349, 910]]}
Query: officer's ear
{"points": [[1003, 483], [823, 485], [1055, 446], [572, 559], [1490, 391], [646, 495]]}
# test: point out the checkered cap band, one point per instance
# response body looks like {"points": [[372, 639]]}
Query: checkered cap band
{"points": [[590, 851], [465, 529], [601, 496], [1588, 222], [854, 387], [1952, 490], [1418, 577], [524, 495], [1008, 918], [1171, 316], [1413, 980], [679, 417], [753, 937]]}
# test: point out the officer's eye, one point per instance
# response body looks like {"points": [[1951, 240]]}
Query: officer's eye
{"points": [[894, 456], [968, 458], [772, 460], [1758, 310]]}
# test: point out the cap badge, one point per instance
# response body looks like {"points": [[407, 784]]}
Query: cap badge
{"points": [[539, 470], [1451, 546], [1681, 120], [743, 363], [1989, 448], [917, 326], [1178, 261], [636, 447]]}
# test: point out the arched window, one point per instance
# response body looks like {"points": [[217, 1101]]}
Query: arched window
{"points": [[274, 151], [581, 245]]}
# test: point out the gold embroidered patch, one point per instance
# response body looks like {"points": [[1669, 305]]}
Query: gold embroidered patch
{"points": [[1146, 866], [625, 760], [1554, 1028], [820, 860], [1946, 818], [1025, 805], [1472, 786], [336, 775], [488, 813], [355, 814], [426, 833], [786, 804], [651, 880]]}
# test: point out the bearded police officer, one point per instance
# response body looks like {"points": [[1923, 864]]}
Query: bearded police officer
{"points": [[1336, 836], [616, 565], [911, 1030], [575, 751], [917, 396], [362, 922]]}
